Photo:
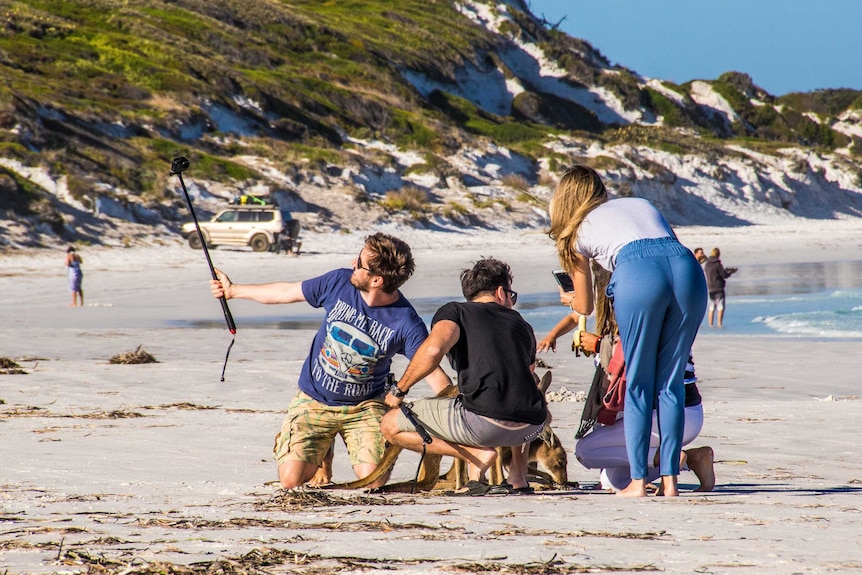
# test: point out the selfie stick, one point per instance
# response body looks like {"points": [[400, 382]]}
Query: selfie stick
{"points": [[423, 433], [178, 166]]}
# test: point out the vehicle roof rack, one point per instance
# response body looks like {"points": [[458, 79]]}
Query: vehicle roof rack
{"points": [[250, 201]]}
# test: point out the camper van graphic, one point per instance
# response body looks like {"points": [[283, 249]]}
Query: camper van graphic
{"points": [[348, 353]]}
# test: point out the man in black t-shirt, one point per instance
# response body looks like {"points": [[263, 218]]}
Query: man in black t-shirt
{"points": [[493, 349]]}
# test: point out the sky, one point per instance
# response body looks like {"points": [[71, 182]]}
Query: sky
{"points": [[784, 45]]}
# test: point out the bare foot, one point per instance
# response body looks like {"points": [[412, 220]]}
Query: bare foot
{"points": [[700, 460], [669, 486], [637, 488], [481, 459], [323, 476]]}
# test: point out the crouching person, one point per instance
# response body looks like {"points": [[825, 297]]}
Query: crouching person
{"points": [[343, 379], [493, 350]]}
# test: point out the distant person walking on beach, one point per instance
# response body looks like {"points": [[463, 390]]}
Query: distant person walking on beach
{"points": [[659, 298], [716, 276], [342, 384], [700, 256], [76, 275]]}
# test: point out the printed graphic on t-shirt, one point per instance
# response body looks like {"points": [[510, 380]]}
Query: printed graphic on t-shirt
{"points": [[352, 346], [348, 354]]}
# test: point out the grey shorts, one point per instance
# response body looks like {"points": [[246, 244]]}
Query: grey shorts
{"points": [[716, 300], [447, 419]]}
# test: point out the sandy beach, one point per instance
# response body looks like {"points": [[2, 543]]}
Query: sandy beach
{"points": [[162, 468]]}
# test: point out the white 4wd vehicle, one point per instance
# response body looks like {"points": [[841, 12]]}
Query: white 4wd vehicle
{"points": [[263, 227]]}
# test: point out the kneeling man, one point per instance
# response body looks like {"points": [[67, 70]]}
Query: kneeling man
{"points": [[493, 350]]}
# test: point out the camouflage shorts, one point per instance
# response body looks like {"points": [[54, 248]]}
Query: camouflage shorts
{"points": [[310, 427]]}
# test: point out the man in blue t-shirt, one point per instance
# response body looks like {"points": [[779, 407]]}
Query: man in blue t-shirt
{"points": [[343, 380]]}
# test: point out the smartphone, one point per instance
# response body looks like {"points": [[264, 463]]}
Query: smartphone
{"points": [[564, 279]]}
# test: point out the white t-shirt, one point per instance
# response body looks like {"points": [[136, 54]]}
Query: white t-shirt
{"points": [[616, 223]]}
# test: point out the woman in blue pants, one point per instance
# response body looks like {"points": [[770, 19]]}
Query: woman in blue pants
{"points": [[659, 298]]}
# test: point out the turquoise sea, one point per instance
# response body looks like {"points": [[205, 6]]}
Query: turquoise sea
{"points": [[810, 300]]}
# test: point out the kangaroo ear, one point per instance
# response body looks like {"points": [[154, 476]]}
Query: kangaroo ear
{"points": [[545, 382]]}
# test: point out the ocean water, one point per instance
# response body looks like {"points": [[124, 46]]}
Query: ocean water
{"points": [[809, 300]]}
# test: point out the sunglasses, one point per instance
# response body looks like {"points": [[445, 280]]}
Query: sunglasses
{"points": [[359, 265], [512, 294]]}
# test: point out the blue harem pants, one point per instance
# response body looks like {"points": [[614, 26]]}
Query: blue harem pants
{"points": [[659, 297]]}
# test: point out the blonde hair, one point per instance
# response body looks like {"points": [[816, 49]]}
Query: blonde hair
{"points": [[606, 322], [579, 192]]}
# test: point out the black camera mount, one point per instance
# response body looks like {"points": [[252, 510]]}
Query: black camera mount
{"points": [[179, 165]]}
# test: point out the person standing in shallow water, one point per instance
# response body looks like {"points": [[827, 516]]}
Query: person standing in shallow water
{"points": [[659, 298], [716, 279], [76, 275]]}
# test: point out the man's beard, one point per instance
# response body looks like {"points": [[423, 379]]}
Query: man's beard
{"points": [[361, 285]]}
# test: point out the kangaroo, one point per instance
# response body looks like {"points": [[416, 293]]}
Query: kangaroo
{"points": [[545, 451]]}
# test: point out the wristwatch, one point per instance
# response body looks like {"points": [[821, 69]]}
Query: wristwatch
{"points": [[396, 391]]}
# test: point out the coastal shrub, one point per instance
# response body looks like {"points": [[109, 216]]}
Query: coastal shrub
{"points": [[667, 139], [603, 163], [78, 186], [516, 182], [741, 82], [737, 100], [219, 169], [675, 87], [765, 115], [624, 85], [19, 152], [477, 121], [670, 112], [482, 201], [412, 132], [814, 133], [509, 132], [18, 193], [454, 209], [293, 152], [527, 198], [407, 199], [824, 102], [546, 179]]}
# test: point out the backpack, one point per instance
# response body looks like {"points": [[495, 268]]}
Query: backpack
{"points": [[613, 398], [608, 390]]}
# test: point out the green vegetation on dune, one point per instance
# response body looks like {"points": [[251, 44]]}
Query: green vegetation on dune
{"points": [[108, 91]]}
